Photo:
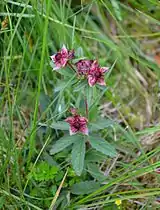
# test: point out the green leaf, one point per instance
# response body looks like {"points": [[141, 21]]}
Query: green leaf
{"points": [[2, 201], [116, 8], [95, 172], [80, 85], [64, 142], [89, 96], [101, 124], [44, 102], [78, 154], [93, 113], [67, 72], [84, 187], [102, 146], [61, 84], [94, 156], [44, 172], [60, 125], [79, 52]]}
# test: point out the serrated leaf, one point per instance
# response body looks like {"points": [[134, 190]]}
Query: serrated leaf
{"points": [[84, 187], [61, 84], [94, 156], [67, 72], [102, 146], [60, 125], [97, 98], [93, 114], [89, 95], [64, 142], [95, 172], [101, 124], [78, 154]]}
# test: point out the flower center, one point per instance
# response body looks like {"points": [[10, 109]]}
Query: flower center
{"points": [[77, 125], [58, 56], [96, 74]]}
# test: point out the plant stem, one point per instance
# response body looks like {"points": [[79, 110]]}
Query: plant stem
{"points": [[71, 66], [86, 105]]}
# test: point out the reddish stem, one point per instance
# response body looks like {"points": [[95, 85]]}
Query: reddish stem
{"points": [[70, 65]]}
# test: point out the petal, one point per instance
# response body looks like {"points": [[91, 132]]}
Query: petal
{"points": [[64, 62], [94, 65], [101, 81], [70, 120], [91, 81], [53, 57], [56, 68], [72, 130], [64, 50], [83, 119], [104, 69], [84, 130]]}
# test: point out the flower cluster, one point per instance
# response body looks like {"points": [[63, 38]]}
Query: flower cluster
{"points": [[89, 69], [62, 57], [92, 70]]}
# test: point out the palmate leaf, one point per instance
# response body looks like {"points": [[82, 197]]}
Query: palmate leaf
{"points": [[102, 146], [78, 154], [64, 142]]}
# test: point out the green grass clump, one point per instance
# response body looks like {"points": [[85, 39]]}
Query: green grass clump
{"points": [[121, 34]]}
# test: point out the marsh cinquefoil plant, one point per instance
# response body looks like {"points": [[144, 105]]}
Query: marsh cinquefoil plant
{"points": [[84, 123]]}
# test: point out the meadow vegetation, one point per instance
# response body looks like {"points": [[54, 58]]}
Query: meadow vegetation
{"points": [[115, 166]]}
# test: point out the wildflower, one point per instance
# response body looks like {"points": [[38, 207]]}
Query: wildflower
{"points": [[157, 170], [62, 57], [83, 66], [77, 123], [96, 74], [118, 202]]}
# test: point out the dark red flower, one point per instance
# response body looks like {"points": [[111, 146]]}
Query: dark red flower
{"points": [[77, 124], [83, 66], [96, 74], [61, 58]]}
